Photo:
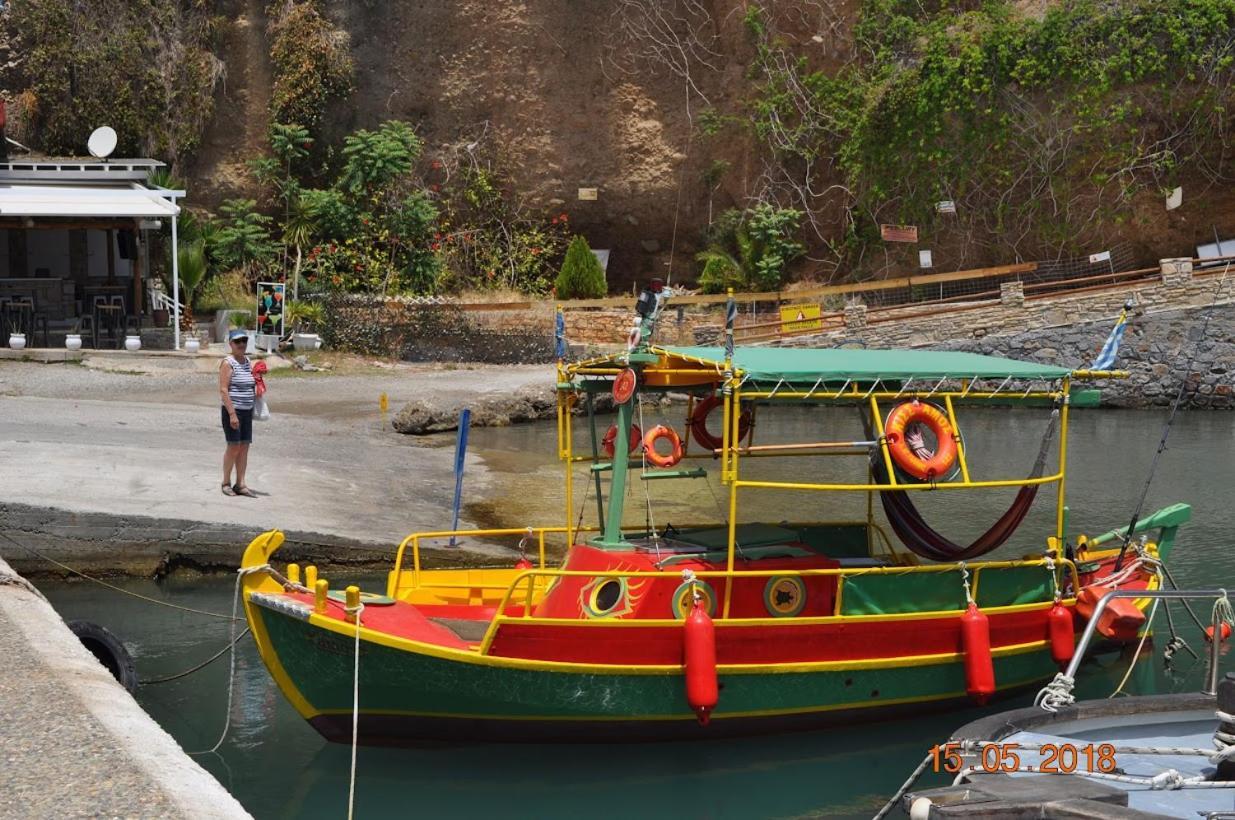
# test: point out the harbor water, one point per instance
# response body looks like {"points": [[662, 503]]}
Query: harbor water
{"points": [[278, 767]]}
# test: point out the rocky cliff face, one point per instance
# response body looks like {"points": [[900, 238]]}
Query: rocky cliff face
{"points": [[564, 99]]}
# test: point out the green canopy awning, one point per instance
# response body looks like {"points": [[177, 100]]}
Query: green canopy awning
{"points": [[796, 364]]}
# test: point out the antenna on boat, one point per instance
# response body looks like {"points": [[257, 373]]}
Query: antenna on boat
{"points": [[1170, 419]]}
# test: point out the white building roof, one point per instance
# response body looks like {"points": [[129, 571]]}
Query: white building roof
{"points": [[85, 200]]}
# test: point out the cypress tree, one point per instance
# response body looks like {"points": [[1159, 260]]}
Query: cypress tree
{"points": [[581, 276]]}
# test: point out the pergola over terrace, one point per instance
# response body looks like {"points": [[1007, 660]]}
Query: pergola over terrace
{"points": [[73, 235]]}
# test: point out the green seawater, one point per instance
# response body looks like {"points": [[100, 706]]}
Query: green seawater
{"points": [[278, 767]]}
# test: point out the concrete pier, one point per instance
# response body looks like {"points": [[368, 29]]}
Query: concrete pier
{"points": [[73, 742]]}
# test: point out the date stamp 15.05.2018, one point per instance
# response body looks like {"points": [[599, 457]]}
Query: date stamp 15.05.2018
{"points": [[1051, 758]]}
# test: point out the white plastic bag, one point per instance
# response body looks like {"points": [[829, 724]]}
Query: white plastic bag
{"points": [[261, 409]]}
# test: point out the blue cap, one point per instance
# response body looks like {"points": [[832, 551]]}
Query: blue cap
{"points": [[233, 335]]}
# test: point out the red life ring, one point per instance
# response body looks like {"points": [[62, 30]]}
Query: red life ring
{"points": [[607, 443], [911, 455], [699, 423], [649, 446]]}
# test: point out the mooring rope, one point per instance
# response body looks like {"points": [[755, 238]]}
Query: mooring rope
{"points": [[200, 666], [231, 674], [351, 785], [1170, 419], [112, 587]]}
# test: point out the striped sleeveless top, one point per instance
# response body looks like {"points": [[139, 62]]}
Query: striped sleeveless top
{"points": [[241, 389]]}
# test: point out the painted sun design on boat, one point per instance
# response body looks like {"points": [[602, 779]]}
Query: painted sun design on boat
{"points": [[612, 597]]}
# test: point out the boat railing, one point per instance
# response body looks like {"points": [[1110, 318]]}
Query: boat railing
{"points": [[539, 534], [1091, 628], [522, 589]]}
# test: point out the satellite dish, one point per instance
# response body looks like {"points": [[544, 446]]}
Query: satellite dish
{"points": [[102, 142]]}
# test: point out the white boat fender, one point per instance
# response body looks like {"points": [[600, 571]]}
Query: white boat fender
{"points": [[920, 809], [109, 650]]}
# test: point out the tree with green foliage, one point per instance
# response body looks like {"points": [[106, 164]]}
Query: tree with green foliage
{"points": [[243, 238], [581, 276], [191, 261], [750, 250], [1044, 129]]}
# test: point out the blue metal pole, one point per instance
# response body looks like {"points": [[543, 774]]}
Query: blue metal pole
{"points": [[465, 421]]}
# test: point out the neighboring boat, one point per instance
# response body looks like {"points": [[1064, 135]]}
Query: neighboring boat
{"points": [[1138, 757], [734, 626]]}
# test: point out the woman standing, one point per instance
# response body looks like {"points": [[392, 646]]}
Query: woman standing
{"points": [[237, 389]]}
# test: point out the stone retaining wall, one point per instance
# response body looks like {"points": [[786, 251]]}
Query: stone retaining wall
{"points": [[1164, 332]]}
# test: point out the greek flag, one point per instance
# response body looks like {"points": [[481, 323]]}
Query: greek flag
{"points": [[731, 315], [559, 336], [1106, 358]]}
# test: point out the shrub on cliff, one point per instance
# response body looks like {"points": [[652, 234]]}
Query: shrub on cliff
{"points": [[581, 276]]}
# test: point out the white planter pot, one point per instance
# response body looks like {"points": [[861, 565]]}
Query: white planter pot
{"points": [[73, 341], [306, 341], [192, 345], [17, 341], [132, 343]]}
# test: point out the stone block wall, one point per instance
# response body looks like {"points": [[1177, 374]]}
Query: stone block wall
{"points": [[1164, 333]]}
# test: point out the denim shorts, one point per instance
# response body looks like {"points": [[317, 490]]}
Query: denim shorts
{"points": [[243, 435]]}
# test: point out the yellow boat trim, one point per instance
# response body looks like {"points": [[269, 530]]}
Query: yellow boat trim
{"points": [[459, 656]]}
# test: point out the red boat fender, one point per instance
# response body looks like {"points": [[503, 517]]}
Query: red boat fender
{"points": [[702, 689], [979, 666], [1120, 621], [1226, 632], [1062, 634], [523, 563]]}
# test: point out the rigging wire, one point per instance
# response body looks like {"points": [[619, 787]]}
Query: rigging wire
{"points": [[1170, 419]]}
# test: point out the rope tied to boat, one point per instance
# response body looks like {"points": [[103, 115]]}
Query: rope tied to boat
{"points": [[965, 582], [1224, 742], [1049, 563], [1222, 613], [1057, 694], [241, 574], [354, 612]]}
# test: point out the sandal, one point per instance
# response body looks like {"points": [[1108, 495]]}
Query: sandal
{"points": [[228, 489], [245, 491]]}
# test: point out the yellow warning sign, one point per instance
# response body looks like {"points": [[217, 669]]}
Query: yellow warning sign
{"points": [[800, 318]]}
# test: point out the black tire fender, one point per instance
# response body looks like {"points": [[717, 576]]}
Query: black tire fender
{"points": [[109, 650]]}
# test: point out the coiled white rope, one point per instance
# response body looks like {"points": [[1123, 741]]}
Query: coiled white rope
{"points": [[1224, 742], [1057, 694]]}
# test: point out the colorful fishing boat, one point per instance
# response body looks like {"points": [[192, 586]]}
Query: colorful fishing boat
{"points": [[658, 630]]}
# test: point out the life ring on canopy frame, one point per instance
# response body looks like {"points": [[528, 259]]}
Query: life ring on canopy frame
{"points": [[698, 423], [608, 443], [908, 447], [654, 435]]}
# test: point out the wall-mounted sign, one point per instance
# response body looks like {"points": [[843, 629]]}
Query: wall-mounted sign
{"points": [[925, 260], [800, 318], [1095, 258], [945, 206], [899, 233], [589, 194], [270, 308]]}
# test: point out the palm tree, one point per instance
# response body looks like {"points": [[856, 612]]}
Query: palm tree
{"points": [[191, 259], [297, 231]]}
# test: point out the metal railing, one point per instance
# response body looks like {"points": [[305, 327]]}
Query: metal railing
{"points": [[524, 585], [1211, 682], [539, 533]]}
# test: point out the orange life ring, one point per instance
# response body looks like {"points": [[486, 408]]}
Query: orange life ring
{"points": [[698, 422], [913, 457], [607, 443], [649, 446]]}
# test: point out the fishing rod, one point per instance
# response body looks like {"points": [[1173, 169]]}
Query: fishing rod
{"points": [[1170, 419]]}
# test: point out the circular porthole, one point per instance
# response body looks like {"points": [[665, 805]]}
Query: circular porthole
{"points": [[683, 598], [784, 596], [603, 596]]}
